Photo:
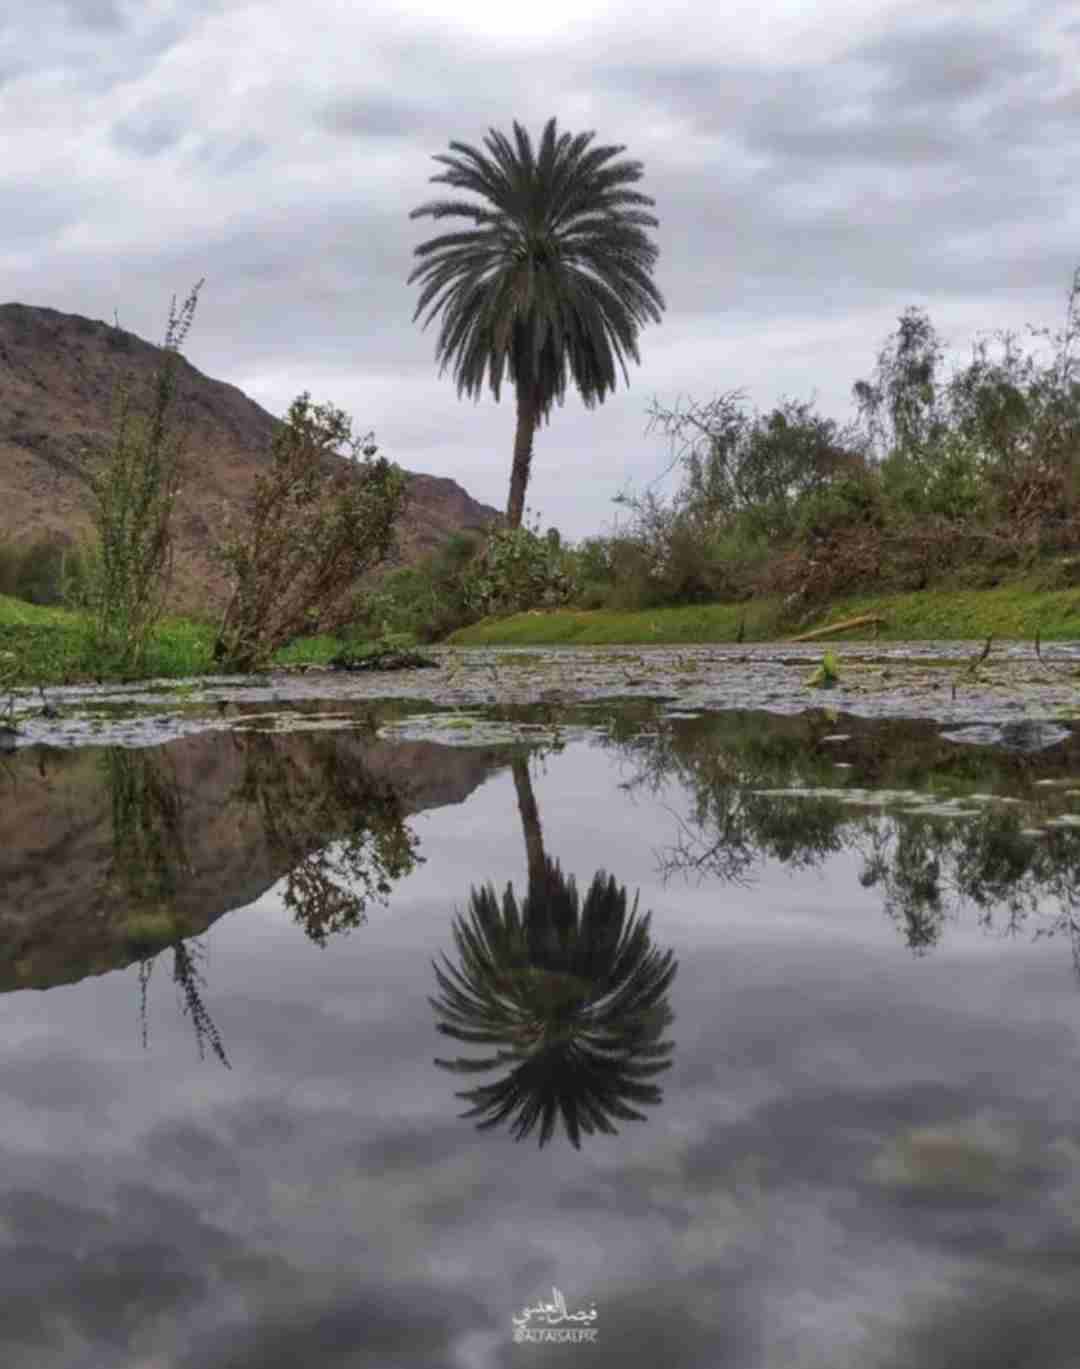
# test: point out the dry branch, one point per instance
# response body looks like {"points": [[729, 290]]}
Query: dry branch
{"points": [[864, 620]]}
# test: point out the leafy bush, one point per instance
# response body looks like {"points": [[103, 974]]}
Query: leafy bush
{"points": [[317, 523], [852, 501], [517, 569], [46, 571], [426, 601]]}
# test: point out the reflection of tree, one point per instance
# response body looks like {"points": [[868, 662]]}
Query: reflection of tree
{"points": [[329, 884], [148, 860], [340, 832], [572, 997], [925, 866], [191, 982], [148, 853]]}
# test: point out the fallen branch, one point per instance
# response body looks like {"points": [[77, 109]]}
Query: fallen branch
{"points": [[977, 662], [1054, 670], [865, 620]]}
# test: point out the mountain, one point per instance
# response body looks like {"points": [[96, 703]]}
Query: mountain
{"points": [[58, 376]]}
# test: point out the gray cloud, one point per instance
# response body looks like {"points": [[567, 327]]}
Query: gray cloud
{"points": [[150, 130], [807, 194]]}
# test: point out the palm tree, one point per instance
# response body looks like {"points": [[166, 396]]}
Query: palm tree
{"points": [[555, 275]]}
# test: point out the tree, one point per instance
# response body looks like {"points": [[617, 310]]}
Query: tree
{"points": [[761, 465], [553, 279], [902, 405]]}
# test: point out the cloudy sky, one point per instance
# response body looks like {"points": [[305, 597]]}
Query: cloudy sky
{"points": [[816, 170]]}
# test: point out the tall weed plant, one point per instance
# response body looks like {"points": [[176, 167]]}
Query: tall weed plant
{"points": [[134, 491]]}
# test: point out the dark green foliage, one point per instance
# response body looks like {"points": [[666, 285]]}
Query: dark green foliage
{"points": [[553, 282], [45, 571], [974, 477], [393, 651], [328, 886], [426, 601], [517, 569]]}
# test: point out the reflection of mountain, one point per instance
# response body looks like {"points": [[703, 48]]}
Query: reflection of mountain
{"points": [[204, 825], [741, 773], [571, 996]]}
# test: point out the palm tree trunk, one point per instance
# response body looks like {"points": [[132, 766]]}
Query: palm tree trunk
{"points": [[530, 823], [523, 440]]}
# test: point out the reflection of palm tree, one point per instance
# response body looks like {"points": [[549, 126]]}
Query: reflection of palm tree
{"points": [[572, 996]]}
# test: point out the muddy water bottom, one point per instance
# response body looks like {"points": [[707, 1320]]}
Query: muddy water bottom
{"points": [[945, 682]]}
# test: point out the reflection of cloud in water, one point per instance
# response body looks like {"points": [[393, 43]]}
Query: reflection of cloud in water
{"points": [[861, 1162]]}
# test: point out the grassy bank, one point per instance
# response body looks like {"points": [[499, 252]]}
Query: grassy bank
{"points": [[48, 646], [1014, 611]]}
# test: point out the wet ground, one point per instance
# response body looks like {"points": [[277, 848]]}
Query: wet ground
{"points": [[945, 682], [611, 1006]]}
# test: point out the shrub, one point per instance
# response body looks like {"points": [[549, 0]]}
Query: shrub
{"points": [[46, 572], [318, 522], [851, 501], [517, 569], [426, 601]]}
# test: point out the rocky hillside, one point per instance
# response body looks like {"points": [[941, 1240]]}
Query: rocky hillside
{"points": [[58, 375]]}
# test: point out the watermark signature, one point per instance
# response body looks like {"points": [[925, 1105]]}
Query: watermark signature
{"points": [[547, 1321]]}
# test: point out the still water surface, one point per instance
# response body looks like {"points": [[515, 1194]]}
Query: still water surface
{"points": [[792, 1084]]}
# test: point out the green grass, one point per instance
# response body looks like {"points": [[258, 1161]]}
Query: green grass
{"points": [[317, 650], [48, 646], [598, 627], [1014, 611]]}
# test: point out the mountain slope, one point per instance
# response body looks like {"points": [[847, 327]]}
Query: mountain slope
{"points": [[58, 377]]}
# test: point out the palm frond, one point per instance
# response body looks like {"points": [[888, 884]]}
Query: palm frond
{"points": [[554, 281]]}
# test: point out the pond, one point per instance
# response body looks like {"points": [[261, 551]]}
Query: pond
{"points": [[379, 1032]]}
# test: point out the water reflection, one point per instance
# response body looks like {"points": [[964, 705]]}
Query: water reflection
{"points": [[570, 999], [189, 979], [943, 829], [147, 864], [302, 798], [113, 856], [328, 887]]}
